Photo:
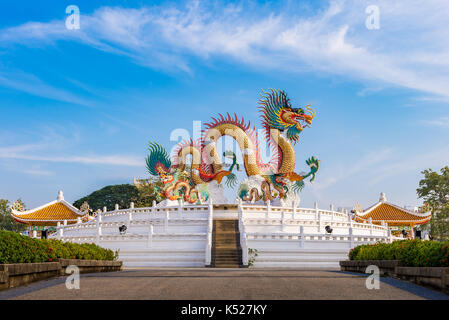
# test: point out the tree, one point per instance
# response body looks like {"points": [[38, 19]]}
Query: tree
{"points": [[6, 220], [122, 194], [147, 192], [434, 190]]}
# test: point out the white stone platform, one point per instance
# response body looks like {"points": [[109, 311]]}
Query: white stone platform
{"points": [[181, 236]]}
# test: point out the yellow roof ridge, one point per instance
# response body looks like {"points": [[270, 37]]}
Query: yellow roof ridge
{"points": [[416, 214]]}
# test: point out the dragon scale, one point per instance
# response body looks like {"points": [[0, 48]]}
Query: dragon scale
{"points": [[248, 147]]}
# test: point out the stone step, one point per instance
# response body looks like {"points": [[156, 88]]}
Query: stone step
{"points": [[220, 247], [227, 258], [227, 265], [226, 251], [228, 243], [230, 255]]}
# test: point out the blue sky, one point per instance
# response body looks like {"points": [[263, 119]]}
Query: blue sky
{"points": [[79, 106]]}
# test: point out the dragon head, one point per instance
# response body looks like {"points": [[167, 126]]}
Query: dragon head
{"points": [[278, 113]]}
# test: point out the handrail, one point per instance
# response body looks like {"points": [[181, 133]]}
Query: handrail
{"points": [[243, 242], [208, 253]]}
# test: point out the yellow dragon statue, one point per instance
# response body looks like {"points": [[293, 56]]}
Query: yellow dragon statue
{"points": [[282, 124]]}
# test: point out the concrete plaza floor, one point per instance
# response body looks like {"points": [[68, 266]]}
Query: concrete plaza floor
{"points": [[222, 284]]}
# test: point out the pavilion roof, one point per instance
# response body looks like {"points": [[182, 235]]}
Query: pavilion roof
{"points": [[391, 214], [49, 214]]}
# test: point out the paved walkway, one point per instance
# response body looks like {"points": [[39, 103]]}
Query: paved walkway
{"points": [[236, 284]]}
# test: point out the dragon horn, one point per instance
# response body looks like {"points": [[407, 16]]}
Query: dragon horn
{"points": [[310, 110]]}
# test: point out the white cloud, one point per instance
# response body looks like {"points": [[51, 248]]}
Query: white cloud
{"points": [[54, 145], [21, 153], [442, 122], [364, 164], [31, 84], [409, 50]]}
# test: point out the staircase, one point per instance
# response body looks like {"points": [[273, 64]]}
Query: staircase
{"points": [[226, 250]]}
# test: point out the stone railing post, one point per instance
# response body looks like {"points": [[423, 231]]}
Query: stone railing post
{"points": [[153, 208], [208, 252], [370, 220], [116, 207], [294, 210], [105, 209], [319, 222], [180, 207], [390, 236], [316, 210], [98, 225], [385, 228], [210, 217], [130, 213], [242, 231], [150, 236], [283, 220], [350, 220], [267, 213], [240, 212], [167, 217], [60, 230], [351, 238], [244, 246], [78, 220]]}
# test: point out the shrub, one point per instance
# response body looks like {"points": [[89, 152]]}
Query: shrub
{"points": [[16, 248], [412, 253]]}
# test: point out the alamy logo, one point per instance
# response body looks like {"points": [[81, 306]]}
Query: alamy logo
{"points": [[373, 282], [72, 281], [372, 22], [72, 22]]}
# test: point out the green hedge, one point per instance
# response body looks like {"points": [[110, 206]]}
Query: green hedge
{"points": [[16, 248], [412, 253]]}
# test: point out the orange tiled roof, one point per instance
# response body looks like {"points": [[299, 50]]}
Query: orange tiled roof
{"points": [[48, 215], [392, 214]]}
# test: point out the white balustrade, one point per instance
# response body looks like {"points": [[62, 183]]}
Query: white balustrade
{"points": [[185, 239]]}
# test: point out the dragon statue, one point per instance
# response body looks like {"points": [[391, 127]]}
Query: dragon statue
{"points": [[266, 181]]}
